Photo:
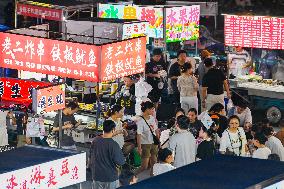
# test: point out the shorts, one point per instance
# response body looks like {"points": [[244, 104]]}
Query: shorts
{"points": [[149, 150]]}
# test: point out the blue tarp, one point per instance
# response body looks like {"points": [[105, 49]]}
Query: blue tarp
{"points": [[220, 172], [4, 28]]}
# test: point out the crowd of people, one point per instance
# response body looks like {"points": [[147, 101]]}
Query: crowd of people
{"points": [[192, 135]]}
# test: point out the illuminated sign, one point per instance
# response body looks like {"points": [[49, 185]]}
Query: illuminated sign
{"points": [[182, 23], [254, 31], [151, 14], [51, 175], [53, 57], [17, 90], [135, 29], [123, 58], [44, 12], [49, 99]]}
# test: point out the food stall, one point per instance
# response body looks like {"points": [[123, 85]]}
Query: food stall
{"points": [[260, 89], [35, 167], [96, 63]]}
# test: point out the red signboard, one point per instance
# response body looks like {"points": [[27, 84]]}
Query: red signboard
{"points": [[49, 99], [123, 58], [17, 90], [53, 57], [254, 31], [39, 12]]}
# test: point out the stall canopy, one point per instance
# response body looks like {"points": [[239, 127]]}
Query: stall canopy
{"points": [[226, 172], [254, 31], [50, 9], [97, 63]]}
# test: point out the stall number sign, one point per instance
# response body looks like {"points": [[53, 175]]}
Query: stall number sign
{"points": [[51, 175], [60, 58], [17, 90], [39, 12], [254, 31], [135, 29], [151, 14], [123, 58], [49, 99], [182, 23]]}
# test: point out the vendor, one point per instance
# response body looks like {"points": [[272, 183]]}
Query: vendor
{"points": [[153, 77], [126, 95], [239, 62], [68, 123]]}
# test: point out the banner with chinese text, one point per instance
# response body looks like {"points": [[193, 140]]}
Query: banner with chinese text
{"points": [[18, 90], [53, 57], [135, 29], [49, 99], [123, 58], [182, 23], [51, 175], [151, 14], [39, 12], [254, 31]]}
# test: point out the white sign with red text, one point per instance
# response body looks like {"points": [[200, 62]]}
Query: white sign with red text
{"points": [[51, 175]]}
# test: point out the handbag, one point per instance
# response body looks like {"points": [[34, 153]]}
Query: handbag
{"points": [[155, 138]]}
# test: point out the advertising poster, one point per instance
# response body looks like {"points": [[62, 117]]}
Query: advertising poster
{"points": [[182, 23]]}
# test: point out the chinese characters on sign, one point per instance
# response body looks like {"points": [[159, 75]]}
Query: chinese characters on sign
{"points": [[51, 175], [39, 12], [17, 90], [254, 31], [182, 23], [135, 29], [49, 99], [151, 14], [123, 58], [65, 59]]}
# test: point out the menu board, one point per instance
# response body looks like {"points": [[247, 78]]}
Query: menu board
{"points": [[254, 31]]}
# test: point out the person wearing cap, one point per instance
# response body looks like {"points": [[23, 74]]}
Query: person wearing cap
{"points": [[201, 70], [153, 71], [213, 84], [239, 62]]}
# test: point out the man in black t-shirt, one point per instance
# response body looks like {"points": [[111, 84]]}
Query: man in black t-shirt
{"points": [[153, 77], [213, 84], [175, 72], [69, 123]]}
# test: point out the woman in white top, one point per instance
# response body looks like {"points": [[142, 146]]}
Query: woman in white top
{"points": [[116, 112], [165, 157], [234, 139], [188, 87], [262, 151], [273, 143]]}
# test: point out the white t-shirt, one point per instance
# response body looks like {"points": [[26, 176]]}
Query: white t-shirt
{"points": [[239, 59], [165, 136], [245, 116], [261, 153], [183, 145], [233, 141], [276, 147], [3, 128], [144, 130], [118, 138], [160, 168]]}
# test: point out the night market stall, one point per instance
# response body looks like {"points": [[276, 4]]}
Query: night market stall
{"points": [[262, 82]]}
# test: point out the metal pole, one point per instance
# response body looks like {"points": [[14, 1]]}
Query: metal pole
{"points": [[60, 128], [164, 27], [15, 24]]}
